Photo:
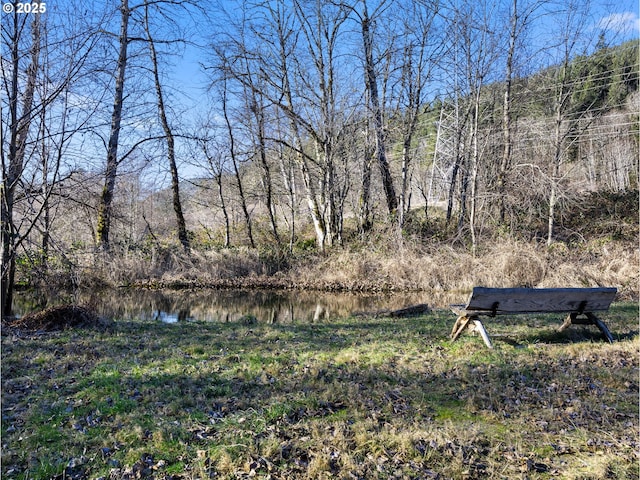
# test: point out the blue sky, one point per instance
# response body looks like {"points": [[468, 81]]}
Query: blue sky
{"points": [[618, 19]]}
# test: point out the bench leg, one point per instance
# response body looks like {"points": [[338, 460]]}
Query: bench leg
{"points": [[600, 324], [462, 323], [459, 327], [572, 319], [567, 322], [483, 333]]}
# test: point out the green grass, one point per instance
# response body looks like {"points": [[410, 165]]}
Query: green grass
{"points": [[351, 398]]}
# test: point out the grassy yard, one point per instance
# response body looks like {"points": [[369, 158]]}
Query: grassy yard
{"points": [[352, 398]]}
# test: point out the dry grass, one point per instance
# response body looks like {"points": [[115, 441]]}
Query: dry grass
{"points": [[507, 264], [393, 264]]}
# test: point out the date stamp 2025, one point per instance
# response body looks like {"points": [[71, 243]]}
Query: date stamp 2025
{"points": [[24, 7]]}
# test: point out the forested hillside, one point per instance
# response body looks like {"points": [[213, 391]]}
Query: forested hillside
{"points": [[322, 128]]}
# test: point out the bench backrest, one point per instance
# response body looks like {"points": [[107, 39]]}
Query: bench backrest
{"points": [[539, 300]]}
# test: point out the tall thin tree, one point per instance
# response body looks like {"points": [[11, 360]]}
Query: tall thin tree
{"points": [[183, 236], [111, 171], [366, 23], [21, 115]]}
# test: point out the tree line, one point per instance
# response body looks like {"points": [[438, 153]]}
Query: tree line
{"points": [[316, 113]]}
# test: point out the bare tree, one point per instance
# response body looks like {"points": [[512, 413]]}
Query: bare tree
{"points": [[365, 222], [291, 139], [569, 30], [295, 52], [43, 61], [111, 170], [168, 132], [216, 163], [456, 111], [130, 23], [285, 159], [233, 154], [420, 52], [366, 23], [506, 108], [480, 55], [21, 114], [521, 15], [321, 28], [284, 48], [255, 104]]}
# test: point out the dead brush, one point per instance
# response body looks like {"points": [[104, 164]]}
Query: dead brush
{"points": [[518, 265], [226, 264], [60, 318]]}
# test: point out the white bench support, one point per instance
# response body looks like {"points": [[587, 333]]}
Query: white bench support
{"points": [[470, 322]]}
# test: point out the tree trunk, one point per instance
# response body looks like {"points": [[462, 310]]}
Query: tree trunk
{"points": [[289, 181], [236, 169], [555, 172], [225, 214], [372, 86], [266, 170], [413, 87], [312, 202], [562, 98], [458, 153], [18, 132], [452, 188], [46, 217], [310, 194], [475, 157], [106, 198], [467, 158], [327, 192], [216, 164], [183, 236], [365, 196], [506, 116], [404, 201], [458, 162], [464, 187]]}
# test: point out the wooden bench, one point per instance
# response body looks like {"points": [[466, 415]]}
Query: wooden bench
{"points": [[579, 303]]}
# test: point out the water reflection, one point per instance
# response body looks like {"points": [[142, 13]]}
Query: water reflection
{"points": [[268, 306]]}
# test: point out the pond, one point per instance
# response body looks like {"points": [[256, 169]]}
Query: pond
{"points": [[270, 306]]}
